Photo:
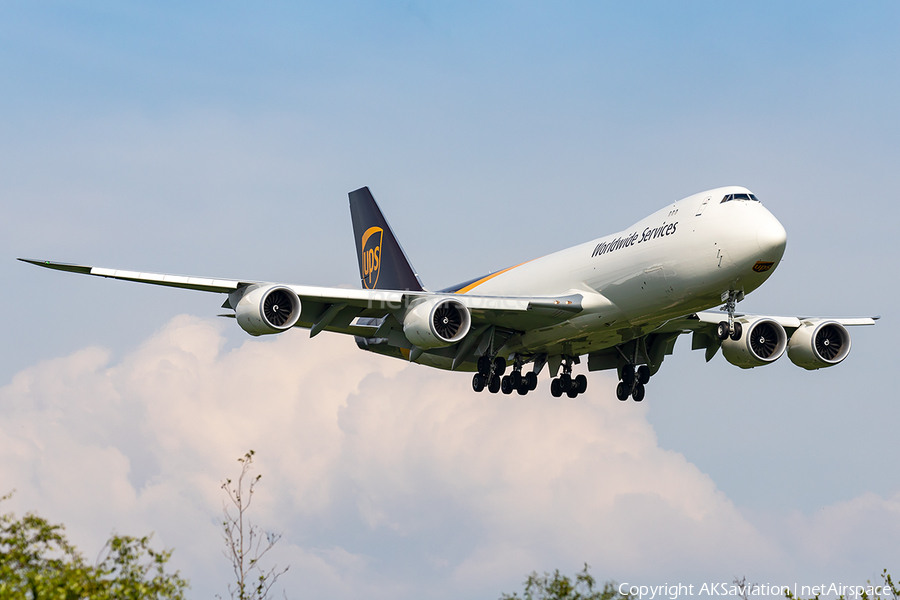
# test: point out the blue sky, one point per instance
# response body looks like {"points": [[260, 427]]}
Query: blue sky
{"points": [[221, 139]]}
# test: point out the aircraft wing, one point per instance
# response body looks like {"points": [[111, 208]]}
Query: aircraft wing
{"points": [[703, 326], [791, 322], [337, 309], [709, 320]]}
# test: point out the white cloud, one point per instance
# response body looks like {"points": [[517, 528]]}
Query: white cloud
{"points": [[389, 480]]}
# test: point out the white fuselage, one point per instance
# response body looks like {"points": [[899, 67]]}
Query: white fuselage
{"points": [[678, 260]]}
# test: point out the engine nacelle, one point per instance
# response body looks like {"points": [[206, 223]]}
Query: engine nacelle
{"points": [[266, 309], [437, 322], [762, 342], [818, 345]]}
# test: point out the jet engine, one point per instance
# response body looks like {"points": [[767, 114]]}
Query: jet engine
{"points": [[819, 344], [762, 342], [266, 309], [437, 322]]}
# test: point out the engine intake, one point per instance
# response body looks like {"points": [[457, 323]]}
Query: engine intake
{"points": [[267, 309], [437, 322], [819, 345], [762, 342]]}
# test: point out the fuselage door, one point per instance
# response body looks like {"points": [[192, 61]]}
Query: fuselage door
{"points": [[702, 206]]}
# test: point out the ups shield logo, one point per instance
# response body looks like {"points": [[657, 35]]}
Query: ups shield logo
{"points": [[762, 266], [371, 256]]}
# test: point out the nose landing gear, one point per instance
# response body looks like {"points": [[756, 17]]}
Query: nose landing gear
{"points": [[730, 328]]}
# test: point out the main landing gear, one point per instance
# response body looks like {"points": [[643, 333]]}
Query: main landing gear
{"points": [[566, 384], [518, 382], [633, 382], [730, 328], [490, 375]]}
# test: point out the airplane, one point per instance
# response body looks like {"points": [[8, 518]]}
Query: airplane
{"points": [[620, 301]]}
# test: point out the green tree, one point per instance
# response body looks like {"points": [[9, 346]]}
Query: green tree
{"points": [[37, 562], [582, 586]]}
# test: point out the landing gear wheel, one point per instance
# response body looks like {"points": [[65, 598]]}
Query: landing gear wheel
{"points": [[572, 392], [556, 388], [622, 391], [531, 380], [722, 330], [499, 366], [736, 334], [516, 378], [637, 394], [628, 375], [484, 365], [523, 388], [580, 384], [643, 374], [494, 385], [506, 385], [565, 382], [478, 382]]}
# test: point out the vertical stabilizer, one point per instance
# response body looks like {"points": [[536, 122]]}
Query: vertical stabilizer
{"points": [[382, 263]]}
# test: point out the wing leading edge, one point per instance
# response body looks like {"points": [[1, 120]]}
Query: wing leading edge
{"points": [[334, 309], [204, 284]]}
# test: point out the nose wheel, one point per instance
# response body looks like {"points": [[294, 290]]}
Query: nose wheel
{"points": [[723, 332]]}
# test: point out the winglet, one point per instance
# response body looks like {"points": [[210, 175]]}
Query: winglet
{"points": [[205, 284], [58, 266]]}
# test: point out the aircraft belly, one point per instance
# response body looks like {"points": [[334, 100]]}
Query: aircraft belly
{"points": [[439, 359], [566, 339], [442, 362]]}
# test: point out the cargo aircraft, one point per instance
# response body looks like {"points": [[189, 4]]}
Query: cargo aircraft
{"points": [[619, 301]]}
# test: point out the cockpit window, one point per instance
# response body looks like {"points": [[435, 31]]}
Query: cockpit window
{"points": [[743, 197]]}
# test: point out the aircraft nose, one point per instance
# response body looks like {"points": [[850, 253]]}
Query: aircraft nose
{"points": [[771, 236]]}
